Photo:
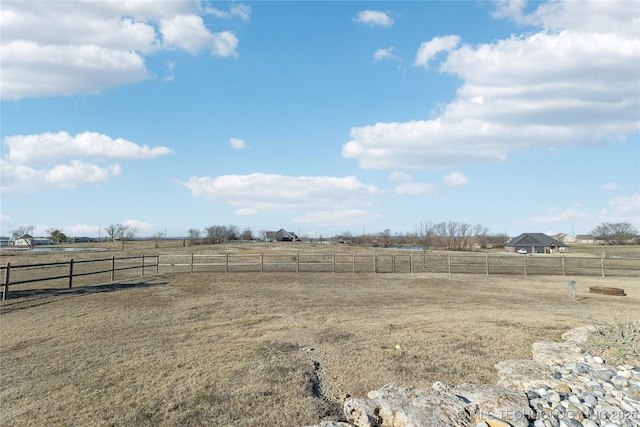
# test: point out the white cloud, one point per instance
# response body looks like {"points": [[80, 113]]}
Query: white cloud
{"points": [[428, 50], [455, 179], [415, 188], [339, 217], [84, 47], [242, 11], [237, 144], [610, 186], [189, 33], [47, 148], [284, 193], [246, 211], [62, 161], [374, 18], [618, 209], [384, 54], [20, 178], [140, 226], [624, 209], [399, 176], [542, 90], [583, 16], [81, 230]]}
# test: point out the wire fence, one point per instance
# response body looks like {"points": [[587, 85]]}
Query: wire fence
{"points": [[66, 274]]}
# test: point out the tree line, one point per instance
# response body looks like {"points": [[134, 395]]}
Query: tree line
{"points": [[615, 233], [450, 235]]}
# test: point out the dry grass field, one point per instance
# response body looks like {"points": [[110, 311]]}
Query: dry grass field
{"points": [[270, 349]]}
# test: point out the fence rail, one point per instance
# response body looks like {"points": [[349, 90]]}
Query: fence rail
{"points": [[68, 273]]}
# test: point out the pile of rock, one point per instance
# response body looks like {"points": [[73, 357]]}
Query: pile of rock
{"points": [[562, 386]]}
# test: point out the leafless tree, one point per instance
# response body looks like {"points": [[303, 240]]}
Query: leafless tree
{"points": [[112, 231], [618, 232], [157, 237], [233, 232], [193, 234], [425, 232], [121, 232], [24, 232], [247, 234]]}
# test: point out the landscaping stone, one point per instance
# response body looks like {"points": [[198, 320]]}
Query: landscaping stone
{"points": [[561, 386]]}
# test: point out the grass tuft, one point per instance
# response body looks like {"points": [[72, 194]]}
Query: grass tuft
{"points": [[618, 341]]}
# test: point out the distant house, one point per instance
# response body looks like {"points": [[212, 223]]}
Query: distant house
{"points": [[4, 241], [534, 243], [585, 238], [565, 238], [80, 240], [280, 236], [29, 241], [23, 241]]}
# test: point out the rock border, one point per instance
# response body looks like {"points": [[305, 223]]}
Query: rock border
{"points": [[561, 386]]}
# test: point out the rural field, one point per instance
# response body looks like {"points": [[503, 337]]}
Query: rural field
{"points": [[276, 349]]}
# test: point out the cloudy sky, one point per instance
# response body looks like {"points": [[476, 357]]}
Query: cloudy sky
{"points": [[319, 117]]}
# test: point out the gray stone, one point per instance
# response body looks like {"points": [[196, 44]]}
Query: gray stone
{"points": [[396, 406], [501, 403]]}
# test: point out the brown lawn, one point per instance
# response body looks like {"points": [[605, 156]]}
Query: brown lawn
{"points": [[270, 349]]}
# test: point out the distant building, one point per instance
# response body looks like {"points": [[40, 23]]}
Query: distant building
{"points": [[28, 241], [4, 241], [281, 236], [534, 243], [565, 238], [585, 238]]}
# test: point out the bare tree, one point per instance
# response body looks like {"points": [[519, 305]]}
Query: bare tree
{"points": [[247, 234], [497, 239], [233, 232], [385, 238], [121, 233], [157, 237], [193, 235], [216, 234], [24, 232], [112, 231], [126, 233], [425, 232], [623, 231]]}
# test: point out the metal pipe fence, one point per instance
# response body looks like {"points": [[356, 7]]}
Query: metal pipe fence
{"points": [[66, 274]]}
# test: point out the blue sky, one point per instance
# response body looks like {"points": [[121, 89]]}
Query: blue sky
{"points": [[319, 117]]}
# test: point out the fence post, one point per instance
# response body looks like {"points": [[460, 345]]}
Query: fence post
{"points": [[602, 264], [226, 262], [191, 264], [564, 272], [393, 263], [70, 273], [334, 262], [411, 262], [113, 268], [142, 265], [487, 263], [261, 262], [7, 273], [353, 262], [449, 262], [375, 260], [525, 264], [298, 262], [157, 263]]}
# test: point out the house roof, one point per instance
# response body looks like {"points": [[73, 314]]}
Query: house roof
{"points": [[585, 236], [534, 239]]}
